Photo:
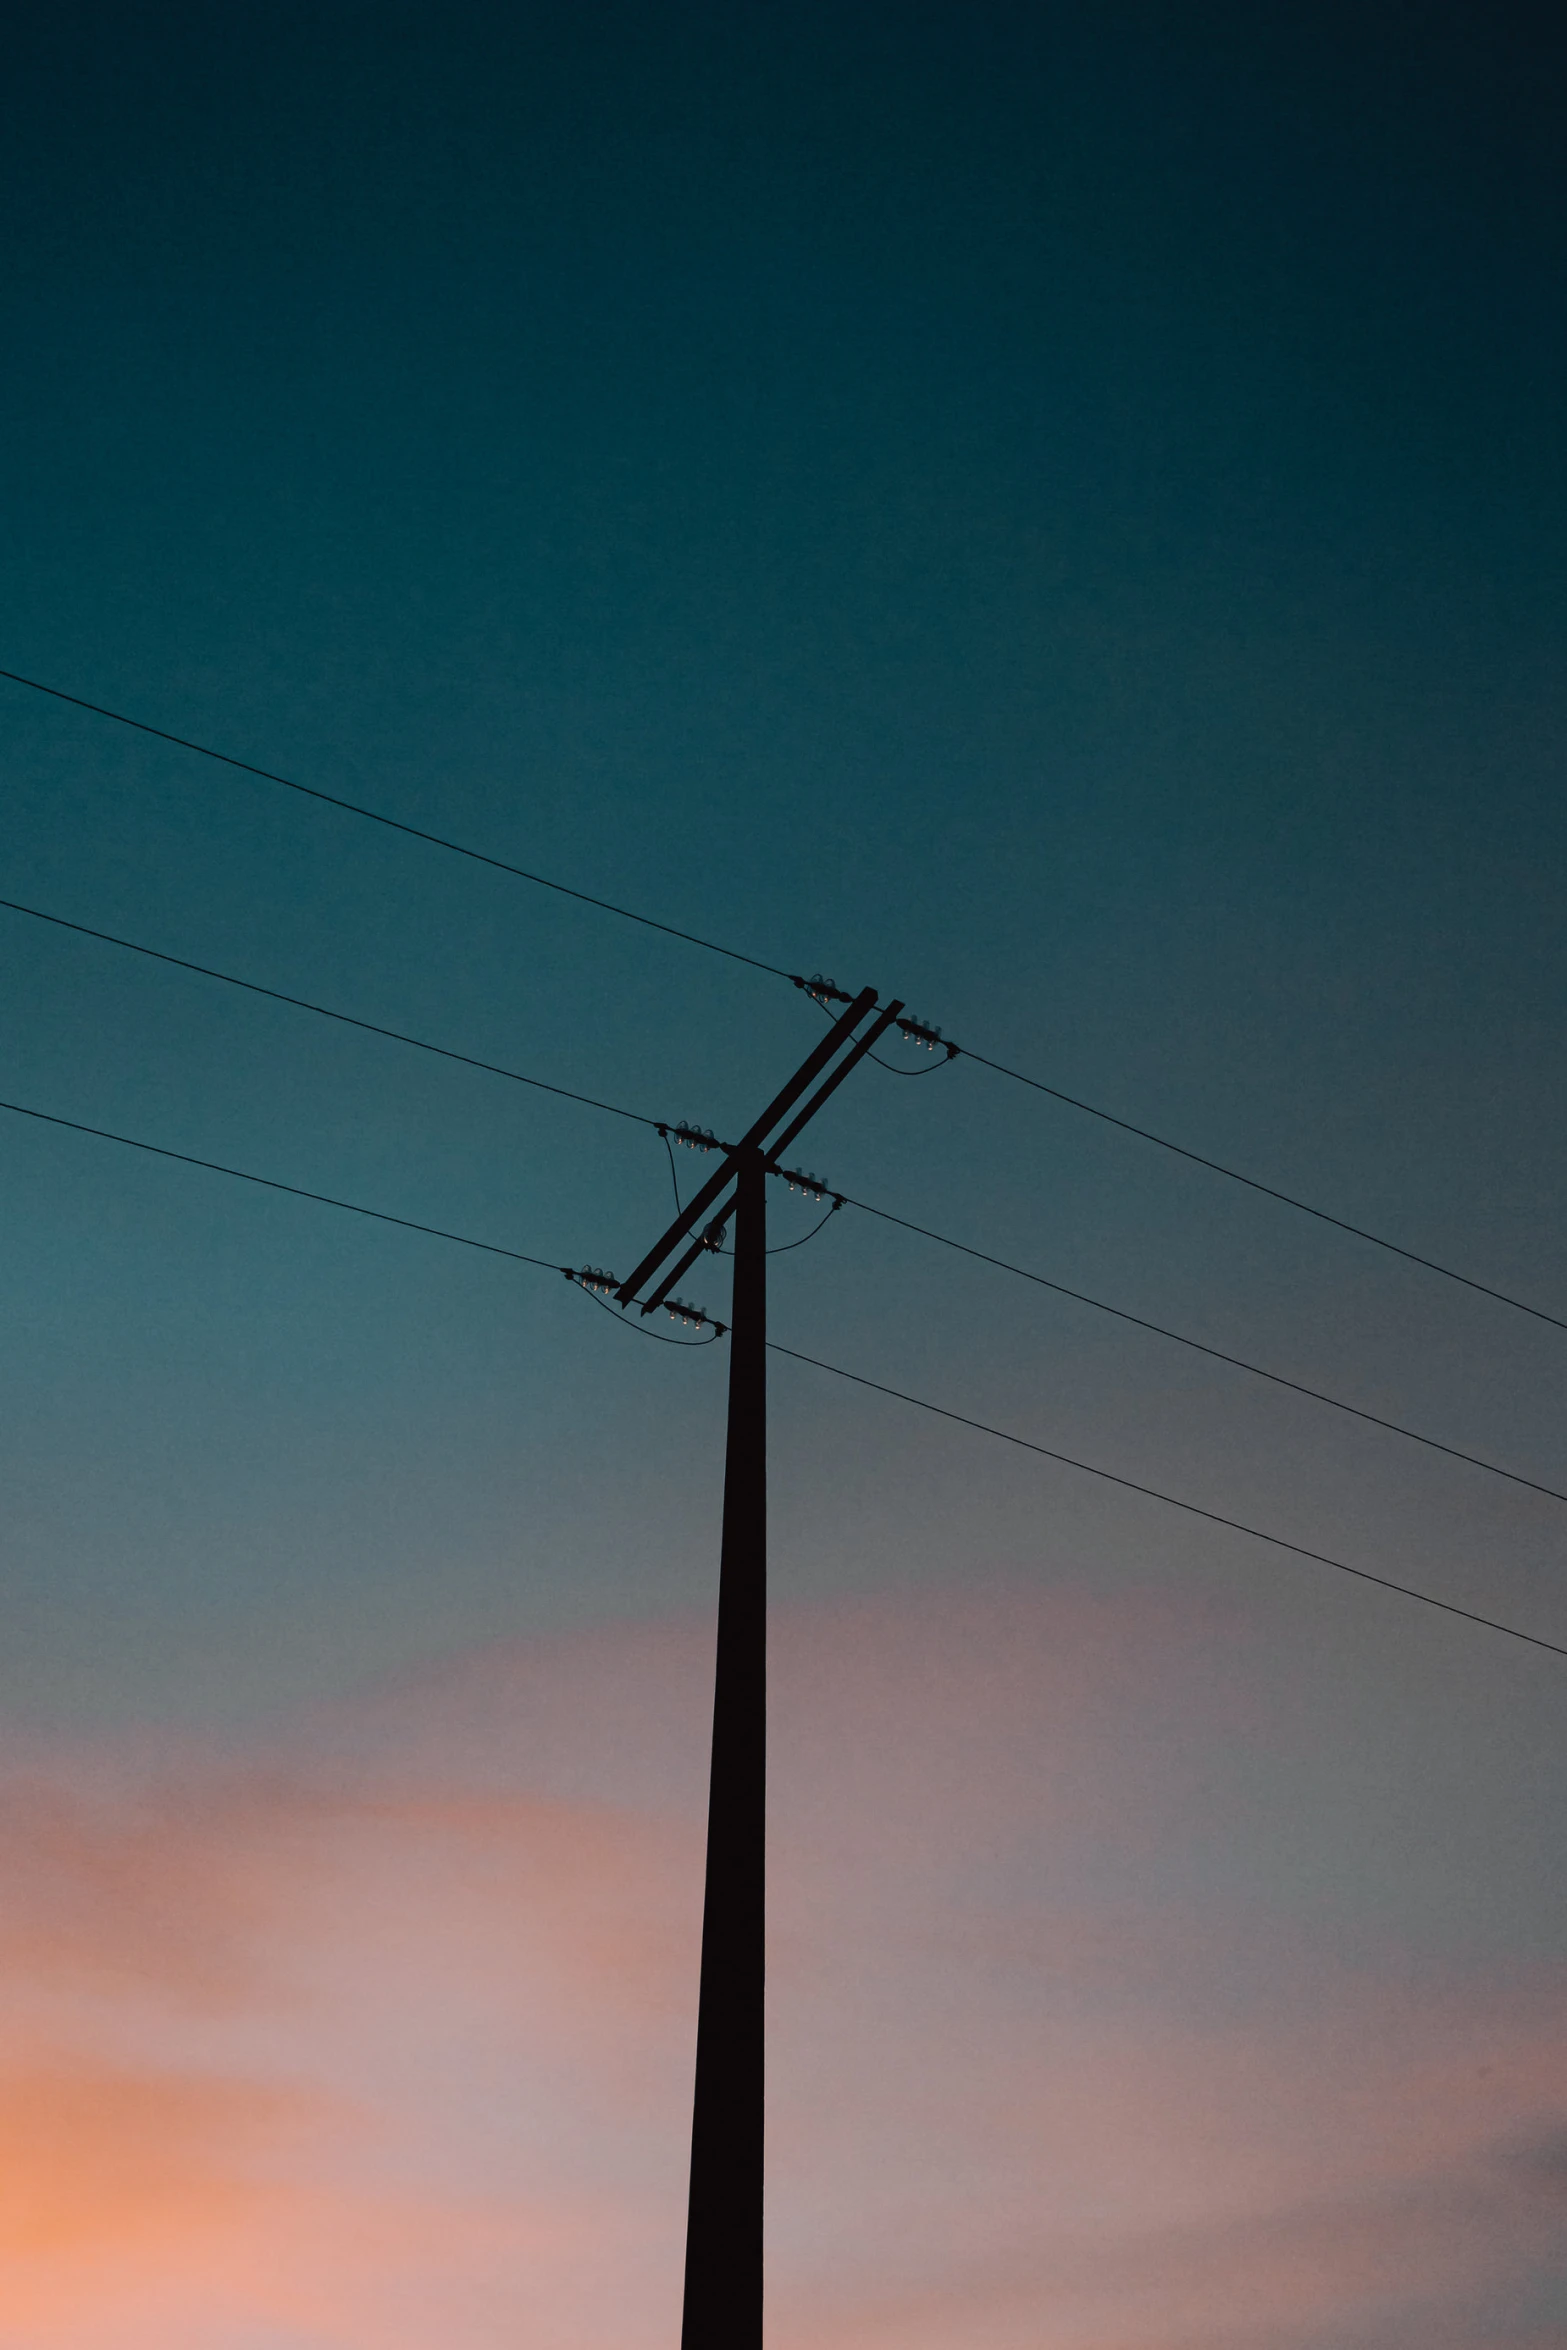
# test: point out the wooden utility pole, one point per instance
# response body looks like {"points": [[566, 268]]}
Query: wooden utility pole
{"points": [[723, 2295], [723, 2282]]}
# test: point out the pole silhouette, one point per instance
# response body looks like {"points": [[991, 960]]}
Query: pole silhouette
{"points": [[723, 2285], [723, 2275]]}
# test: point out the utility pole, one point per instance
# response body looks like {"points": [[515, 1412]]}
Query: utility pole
{"points": [[723, 2280]]}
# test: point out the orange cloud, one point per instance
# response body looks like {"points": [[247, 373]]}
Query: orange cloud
{"points": [[95, 2155], [335, 2062], [383, 2037]]}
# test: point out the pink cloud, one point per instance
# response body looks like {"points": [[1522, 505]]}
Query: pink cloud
{"points": [[382, 2037]]}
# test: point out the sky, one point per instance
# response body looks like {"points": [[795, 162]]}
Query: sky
{"points": [[1056, 514]]}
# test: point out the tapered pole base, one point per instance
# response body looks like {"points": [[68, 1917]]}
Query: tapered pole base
{"points": [[723, 2287]]}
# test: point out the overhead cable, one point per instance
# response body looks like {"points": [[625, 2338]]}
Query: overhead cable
{"points": [[323, 1199], [756, 963], [1270, 1191], [716, 1329], [1200, 1346], [1173, 1501], [898, 1394], [324, 1011], [701, 1140], [434, 840]]}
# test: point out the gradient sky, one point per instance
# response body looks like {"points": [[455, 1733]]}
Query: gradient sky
{"points": [[1057, 514]]}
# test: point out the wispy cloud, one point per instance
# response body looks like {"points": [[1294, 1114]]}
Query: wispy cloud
{"points": [[383, 2036]]}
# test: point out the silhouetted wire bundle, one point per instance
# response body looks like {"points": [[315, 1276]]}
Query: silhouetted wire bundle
{"points": [[590, 1279], [941, 1052]]}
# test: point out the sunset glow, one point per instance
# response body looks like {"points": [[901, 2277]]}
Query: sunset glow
{"points": [[325, 2045]]}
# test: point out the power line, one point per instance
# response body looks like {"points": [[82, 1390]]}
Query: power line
{"points": [[660, 1126], [322, 1199], [1199, 1346], [435, 840], [517, 1256], [756, 963], [323, 1011], [1153, 1493], [784, 1247], [1268, 1190], [641, 1329]]}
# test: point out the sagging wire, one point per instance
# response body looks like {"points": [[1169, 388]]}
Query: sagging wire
{"points": [[824, 993], [812, 1187], [595, 1283], [691, 1138], [716, 1247], [702, 1138], [784, 1246], [930, 1070]]}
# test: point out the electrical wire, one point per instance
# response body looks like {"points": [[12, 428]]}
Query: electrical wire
{"points": [[1200, 1346], [891, 1067], [660, 1126], [642, 1329], [435, 840], [1268, 1190], [327, 1200], [323, 1011], [756, 963], [783, 1248], [674, 1180], [1173, 1501], [322, 1199], [931, 1068], [858, 1379]]}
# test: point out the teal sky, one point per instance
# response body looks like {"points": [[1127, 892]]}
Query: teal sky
{"points": [[1055, 513]]}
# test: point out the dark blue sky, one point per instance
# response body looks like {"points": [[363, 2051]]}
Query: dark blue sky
{"points": [[1057, 513]]}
